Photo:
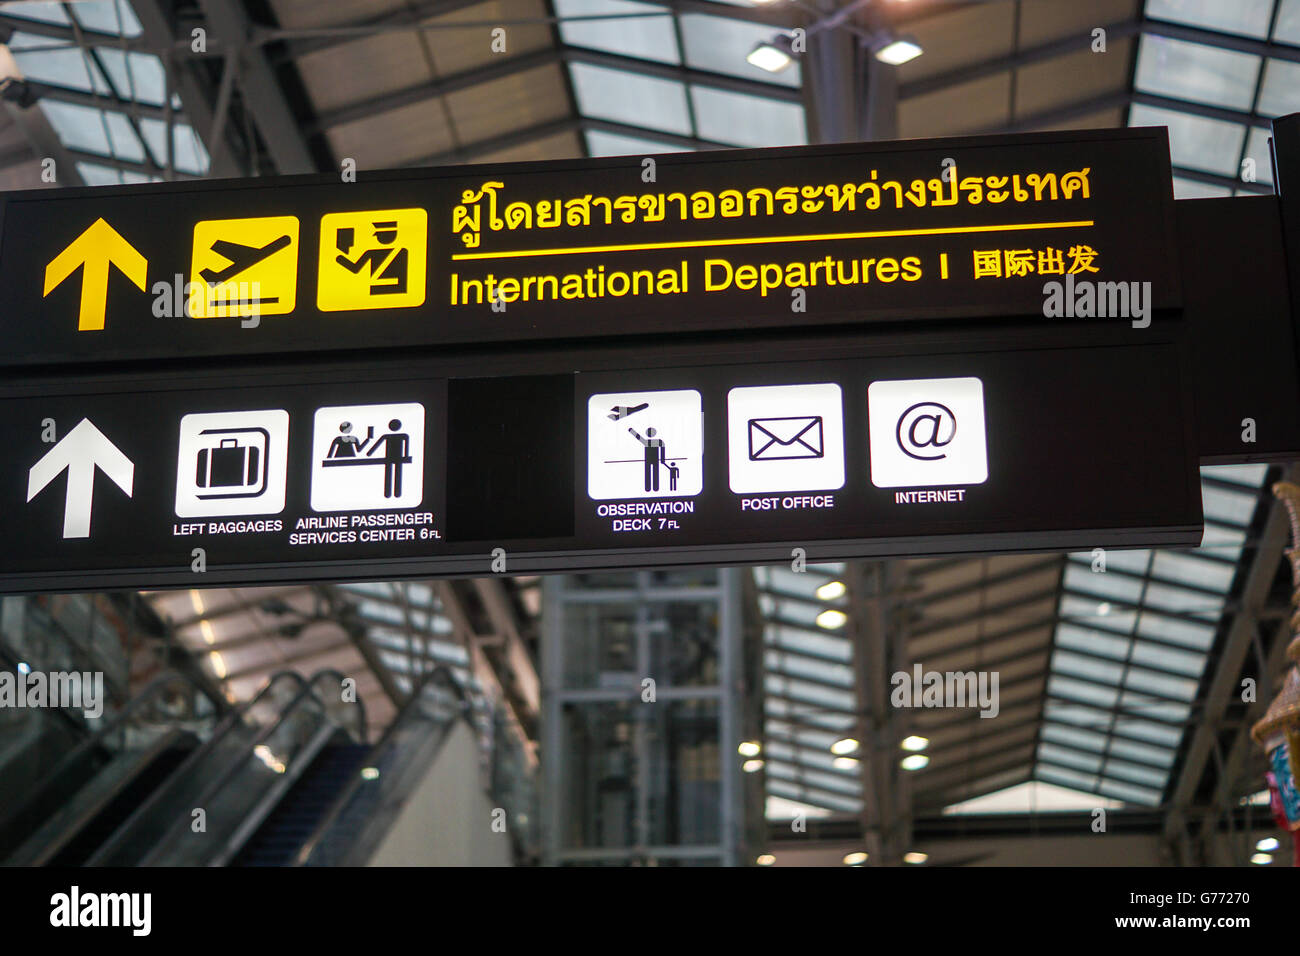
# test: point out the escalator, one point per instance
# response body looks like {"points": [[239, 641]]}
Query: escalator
{"points": [[177, 779]]}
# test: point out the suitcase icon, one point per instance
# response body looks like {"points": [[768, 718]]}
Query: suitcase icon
{"points": [[230, 469]]}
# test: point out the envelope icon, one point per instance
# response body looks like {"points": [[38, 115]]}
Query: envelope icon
{"points": [[777, 439]]}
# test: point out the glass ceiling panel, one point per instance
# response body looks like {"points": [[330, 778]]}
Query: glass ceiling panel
{"points": [[1133, 561], [648, 38], [107, 16], [1075, 737], [629, 98], [92, 130], [1281, 91], [600, 143], [819, 645], [722, 45], [1191, 189], [66, 67], [188, 153], [798, 666], [1183, 568], [1195, 142], [743, 120], [1245, 17], [1175, 631], [1288, 23], [1227, 507], [1258, 150], [1070, 758], [136, 76], [44, 11], [1194, 71]]}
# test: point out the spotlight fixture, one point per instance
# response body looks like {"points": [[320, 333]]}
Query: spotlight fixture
{"points": [[831, 590], [749, 748], [856, 858], [916, 856], [1267, 845], [844, 763], [845, 745], [914, 761], [832, 619], [766, 859], [752, 766], [914, 743], [1261, 859], [772, 55], [898, 50]]}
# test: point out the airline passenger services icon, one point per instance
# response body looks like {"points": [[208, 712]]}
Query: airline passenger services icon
{"points": [[232, 463], [927, 432], [644, 444], [785, 438], [367, 457]]}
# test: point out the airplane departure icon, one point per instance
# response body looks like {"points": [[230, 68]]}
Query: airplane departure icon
{"points": [[241, 257]]}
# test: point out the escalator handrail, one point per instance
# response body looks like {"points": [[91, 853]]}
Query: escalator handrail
{"points": [[308, 690], [95, 739], [228, 723], [379, 751]]}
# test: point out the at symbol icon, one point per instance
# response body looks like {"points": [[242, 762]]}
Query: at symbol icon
{"points": [[926, 425]]}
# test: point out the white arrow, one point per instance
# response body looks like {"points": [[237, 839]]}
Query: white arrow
{"points": [[80, 452]]}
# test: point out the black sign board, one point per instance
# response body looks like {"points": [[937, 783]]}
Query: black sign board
{"points": [[790, 238], [707, 454]]}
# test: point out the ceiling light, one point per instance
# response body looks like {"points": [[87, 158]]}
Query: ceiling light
{"points": [[914, 761], [915, 743], [899, 51], [845, 745], [916, 856], [766, 859], [768, 56], [749, 748], [1268, 844], [855, 859], [831, 590], [1261, 859], [752, 766], [369, 773], [24, 667], [832, 619], [1103, 608]]}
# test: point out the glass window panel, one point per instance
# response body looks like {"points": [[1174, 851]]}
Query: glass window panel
{"points": [[1250, 475], [1071, 758], [1246, 17], [1074, 737], [1195, 142], [189, 156], [1064, 662], [807, 667], [1194, 71], [107, 16], [1191, 189], [721, 45], [1188, 633], [1222, 540], [1288, 22], [1188, 569], [1088, 612], [1130, 792], [137, 76], [1182, 601], [1142, 705], [820, 645], [1281, 91], [1060, 686], [44, 11], [1135, 562], [1228, 507], [745, 120], [93, 174], [1075, 714], [627, 98], [1167, 659], [1135, 751], [66, 67], [1106, 585], [1078, 638], [1166, 685], [648, 38], [813, 693], [600, 143], [1067, 778], [1159, 734]]}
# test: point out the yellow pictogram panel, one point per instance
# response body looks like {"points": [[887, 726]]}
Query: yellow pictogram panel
{"points": [[373, 260], [244, 267]]}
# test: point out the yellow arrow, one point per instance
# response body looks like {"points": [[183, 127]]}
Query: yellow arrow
{"points": [[93, 251]]}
